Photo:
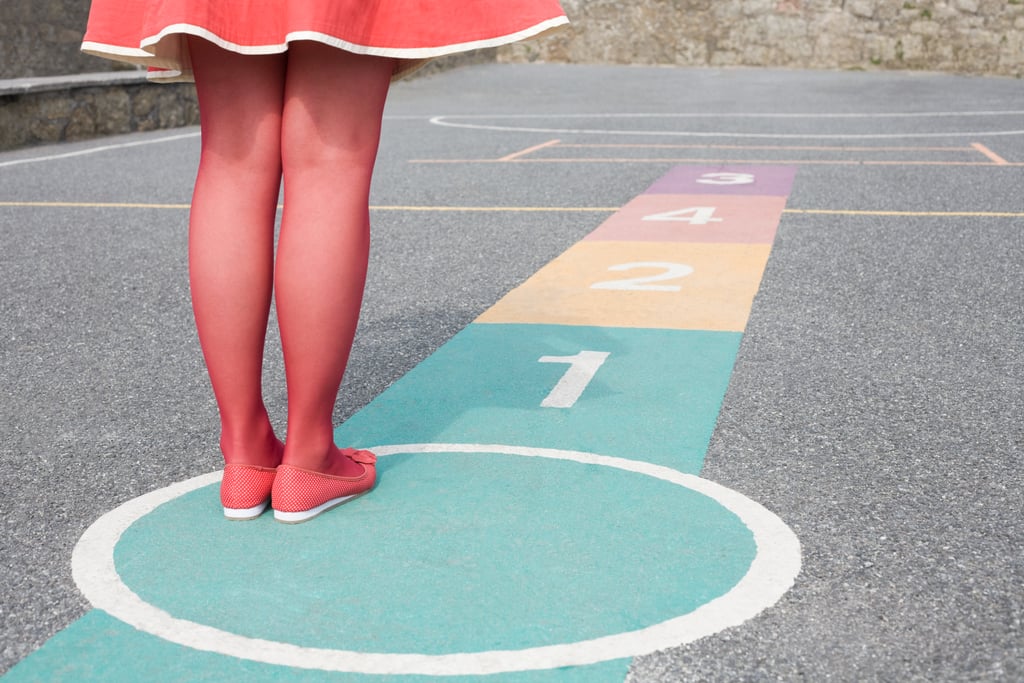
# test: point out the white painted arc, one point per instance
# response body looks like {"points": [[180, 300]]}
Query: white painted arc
{"points": [[772, 572]]}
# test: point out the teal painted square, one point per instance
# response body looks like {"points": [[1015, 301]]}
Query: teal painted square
{"points": [[98, 648], [656, 397]]}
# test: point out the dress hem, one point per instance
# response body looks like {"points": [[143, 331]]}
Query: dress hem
{"points": [[167, 70]]}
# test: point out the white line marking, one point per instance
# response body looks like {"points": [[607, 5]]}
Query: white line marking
{"points": [[94, 150], [772, 572], [450, 122]]}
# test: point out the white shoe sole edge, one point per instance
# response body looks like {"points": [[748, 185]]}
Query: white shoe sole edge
{"points": [[303, 515], [242, 514]]}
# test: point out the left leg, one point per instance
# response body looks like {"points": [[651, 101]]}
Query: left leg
{"points": [[334, 101]]}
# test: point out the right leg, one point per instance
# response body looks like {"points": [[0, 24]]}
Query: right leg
{"points": [[231, 237]]}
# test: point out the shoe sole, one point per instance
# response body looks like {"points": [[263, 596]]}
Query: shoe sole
{"points": [[245, 514], [304, 515]]}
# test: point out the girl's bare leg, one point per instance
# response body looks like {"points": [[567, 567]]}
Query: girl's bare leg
{"points": [[333, 103], [231, 237]]}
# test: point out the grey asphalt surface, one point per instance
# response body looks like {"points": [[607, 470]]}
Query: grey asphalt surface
{"points": [[876, 405]]}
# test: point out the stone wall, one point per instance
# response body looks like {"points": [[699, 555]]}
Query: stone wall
{"points": [[41, 38], [964, 36]]}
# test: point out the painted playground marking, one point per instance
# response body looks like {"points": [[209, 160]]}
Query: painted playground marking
{"points": [[99, 148], [771, 573], [538, 209], [467, 121], [694, 205], [553, 151]]}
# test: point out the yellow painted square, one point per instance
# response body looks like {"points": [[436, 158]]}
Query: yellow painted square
{"points": [[684, 286]]}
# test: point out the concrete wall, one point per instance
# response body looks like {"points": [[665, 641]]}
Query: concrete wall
{"points": [[967, 36]]}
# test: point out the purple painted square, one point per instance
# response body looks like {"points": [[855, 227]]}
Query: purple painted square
{"points": [[766, 181]]}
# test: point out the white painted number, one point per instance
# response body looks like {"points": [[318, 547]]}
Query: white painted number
{"points": [[582, 368], [726, 179], [694, 215], [670, 271]]}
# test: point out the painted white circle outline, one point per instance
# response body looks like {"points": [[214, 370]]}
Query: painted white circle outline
{"points": [[771, 573], [460, 121]]}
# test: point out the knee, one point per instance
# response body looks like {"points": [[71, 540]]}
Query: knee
{"points": [[332, 149], [253, 149]]}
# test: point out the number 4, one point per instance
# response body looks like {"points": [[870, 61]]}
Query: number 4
{"points": [[694, 215]]}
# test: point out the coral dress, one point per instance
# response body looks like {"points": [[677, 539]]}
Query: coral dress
{"points": [[153, 32]]}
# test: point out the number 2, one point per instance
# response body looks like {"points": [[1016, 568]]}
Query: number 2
{"points": [[670, 271]]}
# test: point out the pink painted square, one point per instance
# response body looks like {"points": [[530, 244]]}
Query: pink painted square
{"points": [[774, 181]]}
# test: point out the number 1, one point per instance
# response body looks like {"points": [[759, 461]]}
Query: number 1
{"points": [[582, 368]]}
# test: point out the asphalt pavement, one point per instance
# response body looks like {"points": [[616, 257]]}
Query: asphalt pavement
{"points": [[876, 403]]}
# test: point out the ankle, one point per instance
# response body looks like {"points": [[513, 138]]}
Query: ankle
{"points": [[258, 446], [324, 459], [309, 451]]}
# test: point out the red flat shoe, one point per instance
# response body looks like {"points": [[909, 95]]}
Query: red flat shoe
{"points": [[245, 490], [300, 494]]}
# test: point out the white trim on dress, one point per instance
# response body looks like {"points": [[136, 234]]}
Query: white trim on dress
{"points": [[147, 53]]}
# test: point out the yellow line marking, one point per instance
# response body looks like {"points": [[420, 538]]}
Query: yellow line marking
{"points": [[999, 161], [528, 150], [940, 214], [702, 160], [497, 208], [133, 205], [539, 209], [97, 205], [802, 148]]}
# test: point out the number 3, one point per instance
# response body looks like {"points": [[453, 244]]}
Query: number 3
{"points": [[726, 179]]}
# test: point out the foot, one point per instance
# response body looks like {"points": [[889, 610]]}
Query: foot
{"points": [[301, 494], [335, 462], [245, 490], [246, 485]]}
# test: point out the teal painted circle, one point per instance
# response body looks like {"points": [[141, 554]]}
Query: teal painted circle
{"points": [[453, 552]]}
